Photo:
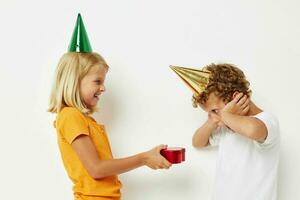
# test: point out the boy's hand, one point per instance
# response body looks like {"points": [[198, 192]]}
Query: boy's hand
{"points": [[155, 160], [239, 105], [214, 118]]}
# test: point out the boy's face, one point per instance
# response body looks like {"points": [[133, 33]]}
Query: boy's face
{"points": [[213, 104], [92, 85]]}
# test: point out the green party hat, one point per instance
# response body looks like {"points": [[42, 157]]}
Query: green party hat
{"points": [[80, 41]]}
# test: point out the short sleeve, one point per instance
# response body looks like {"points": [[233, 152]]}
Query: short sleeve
{"points": [[71, 123], [215, 137], [272, 126]]}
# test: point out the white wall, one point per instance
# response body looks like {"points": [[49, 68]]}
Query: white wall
{"points": [[145, 103]]}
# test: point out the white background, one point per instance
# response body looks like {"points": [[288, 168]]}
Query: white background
{"points": [[146, 104]]}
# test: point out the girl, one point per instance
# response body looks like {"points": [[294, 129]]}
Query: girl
{"points": [[83, 143]]}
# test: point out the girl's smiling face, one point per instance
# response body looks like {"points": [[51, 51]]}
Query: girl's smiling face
{"points": [[92, 85]]}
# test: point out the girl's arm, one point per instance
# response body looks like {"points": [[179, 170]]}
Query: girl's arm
{"points": [[98, 168], [201, 136]]}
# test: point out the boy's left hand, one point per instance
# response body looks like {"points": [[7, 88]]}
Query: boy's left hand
{"points": [[239, 105]]}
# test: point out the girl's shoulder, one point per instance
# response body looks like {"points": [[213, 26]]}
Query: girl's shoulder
{"points": [[70, 113], [69, 110], [74, 114]]}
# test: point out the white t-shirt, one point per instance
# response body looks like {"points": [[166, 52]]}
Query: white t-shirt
{"points": [[246, 169]]}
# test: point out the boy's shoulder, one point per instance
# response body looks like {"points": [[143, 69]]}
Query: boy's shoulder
{"points": [[272, 140], [266, 115]]}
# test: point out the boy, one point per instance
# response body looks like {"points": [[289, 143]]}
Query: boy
{"points": [[247, 136]]}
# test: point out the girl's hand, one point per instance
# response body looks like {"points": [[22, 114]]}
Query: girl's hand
{"points": [[155, 160], [239, 105]]}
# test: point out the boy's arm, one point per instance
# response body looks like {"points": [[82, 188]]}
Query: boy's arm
{"points": [[233, 116], [201, 136], [98, 168], [245, 125]]}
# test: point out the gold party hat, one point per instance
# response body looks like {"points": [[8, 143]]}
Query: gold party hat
{"points": [[195, 79]]}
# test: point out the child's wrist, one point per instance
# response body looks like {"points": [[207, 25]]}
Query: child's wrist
{"points": [[143, 157], [213, 124], [222, 113]]}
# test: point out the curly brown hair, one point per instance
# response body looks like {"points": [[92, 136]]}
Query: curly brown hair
{"points": [[225, 79]]}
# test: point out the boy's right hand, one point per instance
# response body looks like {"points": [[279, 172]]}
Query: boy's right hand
{"points": [[215, 119], [155, 160], [239, 105]]}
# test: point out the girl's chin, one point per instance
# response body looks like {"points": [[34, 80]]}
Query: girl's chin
{"points": [[93, 103], [92, 107]]}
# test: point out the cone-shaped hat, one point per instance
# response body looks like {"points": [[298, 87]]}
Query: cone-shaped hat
{"points": [[196, 79], [80, 41]]}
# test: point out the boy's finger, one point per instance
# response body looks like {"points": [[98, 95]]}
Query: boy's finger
{"points": [[234, 94], [245, 110], [246, 103], [237, 97], [242, 100]]}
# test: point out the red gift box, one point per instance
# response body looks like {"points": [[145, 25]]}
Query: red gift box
{"points": [[174, 155]]}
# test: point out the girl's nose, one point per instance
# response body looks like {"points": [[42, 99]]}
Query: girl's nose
{"points": [[102, 88]]}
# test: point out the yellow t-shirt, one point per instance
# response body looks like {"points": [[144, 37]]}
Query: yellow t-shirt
{"points": [[70, 123]]}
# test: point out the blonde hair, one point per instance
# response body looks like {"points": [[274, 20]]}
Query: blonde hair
{"points": [[72, 67]]}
